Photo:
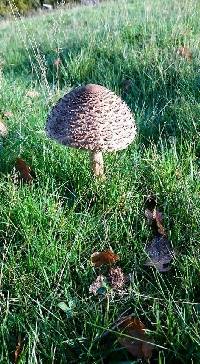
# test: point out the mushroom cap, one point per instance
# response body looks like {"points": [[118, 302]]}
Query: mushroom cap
{"points": [[91, 117]]}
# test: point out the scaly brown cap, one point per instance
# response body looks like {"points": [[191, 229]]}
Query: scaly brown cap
{"points": [[92, 117]]}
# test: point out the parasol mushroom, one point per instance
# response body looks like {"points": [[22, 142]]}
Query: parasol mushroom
{"points": [[94, 118]]}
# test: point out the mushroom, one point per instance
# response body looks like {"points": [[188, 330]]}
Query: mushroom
{"points": [[94, 118]]}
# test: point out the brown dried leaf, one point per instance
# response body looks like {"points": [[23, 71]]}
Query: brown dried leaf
{"points": [[19, 348], [24, 170], [155, 219], [153, 215], [157, 215], [117, 278], [185, 53], [136, 341], [3, 129], [104, 257]]}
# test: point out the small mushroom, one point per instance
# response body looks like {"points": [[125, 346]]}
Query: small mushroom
{"points": [[94, 118]]}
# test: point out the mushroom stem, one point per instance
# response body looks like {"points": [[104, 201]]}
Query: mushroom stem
{"points": [[97, 163]]}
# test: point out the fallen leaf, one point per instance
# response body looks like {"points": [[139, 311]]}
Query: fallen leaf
{"points": [[184, 52], [19, 348], [104, 257], [8, 114], [155, 219], [149, 215], [160, 253], [154, 216], [3, 129], [24, 170], [32, 94], [158, 217], [117, 278], [135, 339]]}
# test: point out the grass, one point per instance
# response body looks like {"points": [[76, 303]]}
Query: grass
{"points": [[49, 230]]}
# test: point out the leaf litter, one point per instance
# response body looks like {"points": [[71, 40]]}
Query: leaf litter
{"points": [[160, 253], [117, 278], [105, 257], [134, 337], [25, 173], [159, 250], [111, 283], [131, 334], [21, 342]]}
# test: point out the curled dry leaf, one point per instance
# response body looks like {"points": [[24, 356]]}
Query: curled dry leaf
{"points": [[158, 217], [117, 278], [154, 216], [155, 219], [160, 253], [19, 348], [3, 129], [184, 52], [134, 337], [104, 257], [24, 170], [112, 284]]}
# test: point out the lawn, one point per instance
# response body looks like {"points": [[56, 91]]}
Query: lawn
{"points": [[50, 228]]}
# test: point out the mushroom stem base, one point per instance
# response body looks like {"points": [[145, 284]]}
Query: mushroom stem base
{"points": [[97, 164]]}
